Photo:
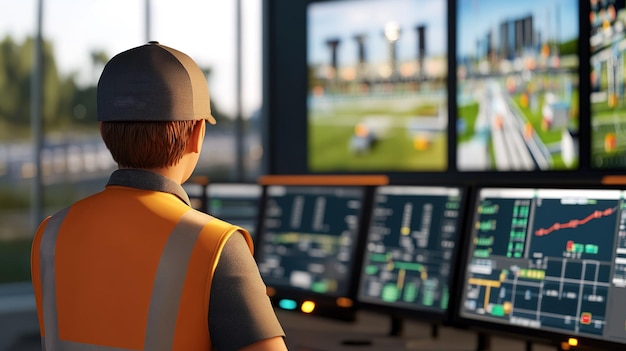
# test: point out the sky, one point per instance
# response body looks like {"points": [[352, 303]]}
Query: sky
{"points": [[345, 19], [477, 17], [203, 29]]}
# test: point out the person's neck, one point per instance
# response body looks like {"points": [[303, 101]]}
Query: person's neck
{"points": [[179, 172]]}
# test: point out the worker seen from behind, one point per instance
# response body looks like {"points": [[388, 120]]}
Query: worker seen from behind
{"points": [[134, 267]]}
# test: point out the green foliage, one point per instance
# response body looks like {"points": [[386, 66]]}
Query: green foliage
{"points": [[13, 197], [16, 69], [468, 113], [15, 260], [64, 102], [569, 47]]}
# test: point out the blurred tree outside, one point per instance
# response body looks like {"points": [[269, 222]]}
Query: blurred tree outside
{"points": [[69, 117], [64, 103]]}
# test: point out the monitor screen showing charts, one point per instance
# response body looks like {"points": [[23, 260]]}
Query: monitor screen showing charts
{"points": [[308, 241], [237, 203], [410, 249], [549, 262]]}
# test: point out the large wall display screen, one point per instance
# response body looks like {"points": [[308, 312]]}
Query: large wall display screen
{"points": [[377, 86], [608, 108], [518, 85], [548, 260]]}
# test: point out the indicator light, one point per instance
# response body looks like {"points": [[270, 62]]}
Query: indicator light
{"points": [[287, 304], [344, 302], [307, 306]]}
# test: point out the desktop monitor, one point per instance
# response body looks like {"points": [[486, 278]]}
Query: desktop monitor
{"points": [[308, 246], [237, 203], [547, 264], [608, 112], [196, 189], [410, 251]]}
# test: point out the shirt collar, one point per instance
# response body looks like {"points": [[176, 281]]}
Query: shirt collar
{"points": [[146, 180]]}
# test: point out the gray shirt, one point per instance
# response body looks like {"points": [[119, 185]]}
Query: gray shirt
{"points": [[240, 313]]}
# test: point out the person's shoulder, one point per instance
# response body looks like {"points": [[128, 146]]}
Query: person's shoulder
{"points": [[202, 216]]}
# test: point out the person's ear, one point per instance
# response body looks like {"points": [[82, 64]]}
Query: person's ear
{"points": [[197, 136]]}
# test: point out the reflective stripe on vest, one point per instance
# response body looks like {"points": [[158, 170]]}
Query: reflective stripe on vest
{"points": [[166, 291]]}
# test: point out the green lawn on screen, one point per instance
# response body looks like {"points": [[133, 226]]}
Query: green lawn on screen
{"points": [[329, 141]]}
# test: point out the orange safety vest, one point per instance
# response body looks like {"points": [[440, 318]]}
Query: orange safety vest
{"points": [[127, 269]]}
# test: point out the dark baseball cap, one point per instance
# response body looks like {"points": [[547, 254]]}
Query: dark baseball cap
{"points": [[153, 82]]}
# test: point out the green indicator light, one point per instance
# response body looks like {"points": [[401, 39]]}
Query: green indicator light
{"points": [[409, 266], [489, 210], [410, 293], [390, 293], [319, 287], [452, 205], [481, 253], [487, 225], [428, 297], [484, 241], [378, 258], [445, 298], [497, 310], [371, 270]]}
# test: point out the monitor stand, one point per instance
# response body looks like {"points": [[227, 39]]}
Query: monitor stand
{"points": [[394, 335], [397, 327], [484, 344]]}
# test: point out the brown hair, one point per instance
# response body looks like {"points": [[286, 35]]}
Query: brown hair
{"points": [[147, 145]]}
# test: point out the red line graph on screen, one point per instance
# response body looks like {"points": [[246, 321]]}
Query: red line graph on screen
{"points": [[573, 223]]}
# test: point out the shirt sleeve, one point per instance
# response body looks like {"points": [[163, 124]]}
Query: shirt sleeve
{"points": [[240, 312]]}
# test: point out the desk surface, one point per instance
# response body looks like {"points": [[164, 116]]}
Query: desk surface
{"points": [[370, 333]]}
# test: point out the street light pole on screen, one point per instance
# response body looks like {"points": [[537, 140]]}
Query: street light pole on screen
{"points": [[148, 25], [36, 121]]}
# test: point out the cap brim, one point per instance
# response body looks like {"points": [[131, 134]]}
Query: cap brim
{"points": [[211, 119]]}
